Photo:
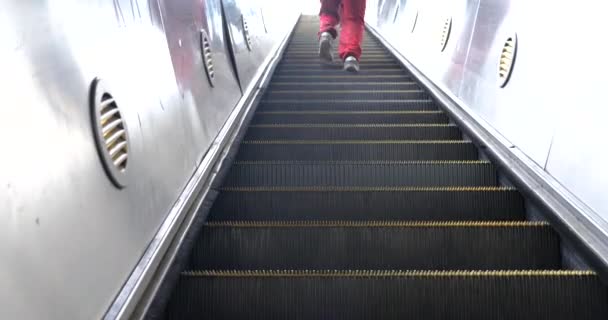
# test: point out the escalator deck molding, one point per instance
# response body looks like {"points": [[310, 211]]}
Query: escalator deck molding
{"points": [[389, 273], [383, 224]]}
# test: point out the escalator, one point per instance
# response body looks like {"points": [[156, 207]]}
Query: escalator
{"points": [[353, 197]]}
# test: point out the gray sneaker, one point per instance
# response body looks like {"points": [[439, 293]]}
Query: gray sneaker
{"points": [[351, 64], [325, 47]]}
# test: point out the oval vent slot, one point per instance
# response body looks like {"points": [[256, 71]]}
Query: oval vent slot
{"points": [[111, 135], [207, 57], [445, 33], [507, 60], [246, 34]]}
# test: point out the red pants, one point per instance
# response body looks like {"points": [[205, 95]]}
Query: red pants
{"points": [[352, 14]]}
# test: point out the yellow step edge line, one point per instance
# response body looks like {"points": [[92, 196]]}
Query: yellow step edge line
{"points": [[347, 101], [343, 76], [365, 162], [368, 189], [376, 224], [390, 273], [334, 83], [300, 142], [349, 112], [346, 91], [358, 125]]}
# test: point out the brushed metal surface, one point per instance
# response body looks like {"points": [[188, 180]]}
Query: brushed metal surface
{"points": [[248, 57], [69, 238], [549, 113]]}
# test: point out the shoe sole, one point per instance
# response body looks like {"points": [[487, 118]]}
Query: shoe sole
{"points": [[351, 68], [325, 51]]}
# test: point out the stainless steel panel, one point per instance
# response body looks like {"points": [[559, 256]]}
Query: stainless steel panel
{"points": [[415, 27], [68, 237], [248, 58], [518, 111], [579, 151], [209, 106], [548, 112]]}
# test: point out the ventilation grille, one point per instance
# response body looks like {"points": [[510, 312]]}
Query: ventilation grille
{"points": [[207, 57], [113, 131], [246, 34], [445, 33], [507, 60], [111, 134]]}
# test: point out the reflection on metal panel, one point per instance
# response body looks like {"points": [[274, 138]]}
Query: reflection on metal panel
{"points": [[579, 150], [249, 39], [543, 111], [69, 238]]}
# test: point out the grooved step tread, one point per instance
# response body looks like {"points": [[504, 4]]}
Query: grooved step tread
{"points": [[368, 203], [543, 295], [347, 105], [356, 150], [353, 119], [344, 245], [350, 174], [354, 132]]}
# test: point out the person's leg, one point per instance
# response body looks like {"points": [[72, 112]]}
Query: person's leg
{"points": [[353, 23], [329, 18]]}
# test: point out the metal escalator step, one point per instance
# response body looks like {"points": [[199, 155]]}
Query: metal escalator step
{"points": [[341, 85], [368, 203], [361, 173], [303, 53], [314, 51], [342, 76], [347, 105], [365, 94], [353, 132], [337, 67], [336, 118], [357, 150], [369, 245], [267, 294], [339, 72], [283, 68], [367, 60]]}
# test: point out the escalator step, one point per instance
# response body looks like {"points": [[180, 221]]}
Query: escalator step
{"points": [[368, 203], [341, 76], [340, 73], [336, 150], [539, 295], [370, 245], [349, 117], [356, 173], [353, 132], [364, 94], [344, 85], [347, 105], [337, 66]]}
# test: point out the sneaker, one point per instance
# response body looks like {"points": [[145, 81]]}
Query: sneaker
{"points": [[351, 64], [325, 47]]}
